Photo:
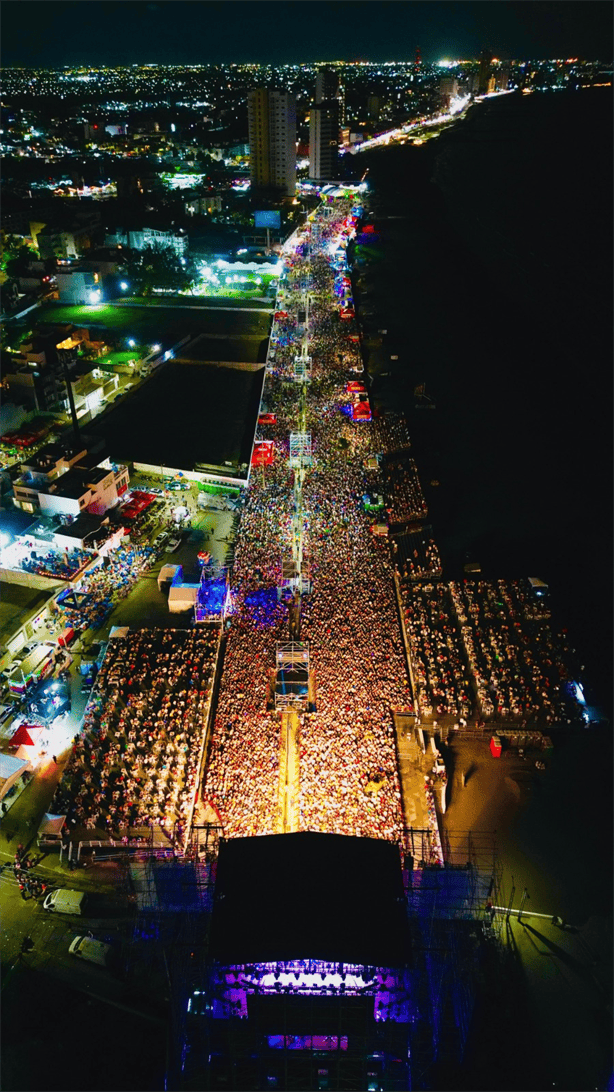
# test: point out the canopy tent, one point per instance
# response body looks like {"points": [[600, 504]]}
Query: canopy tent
{"points": [[182, 597], [51, 827], [26, 735], [263, 453], [11, 769]]}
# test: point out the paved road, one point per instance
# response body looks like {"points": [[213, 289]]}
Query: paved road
{"points": [[547, 842]]}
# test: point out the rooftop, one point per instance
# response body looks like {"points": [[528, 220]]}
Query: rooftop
{"points": [[18, 603], [185, 416], [310, 896]]}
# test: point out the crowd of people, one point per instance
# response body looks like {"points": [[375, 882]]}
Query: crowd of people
{"points": [[441, 677], [520, 667], [59, 565], [406, 503], [30, 885], [416, 556], [347, 765], [105, 585], [136, 762], [486, 648]]}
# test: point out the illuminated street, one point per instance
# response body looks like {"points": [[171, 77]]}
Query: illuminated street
{"points": [[305, 742]]}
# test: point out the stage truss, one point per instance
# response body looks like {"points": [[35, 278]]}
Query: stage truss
{"points": [[292, 675], [302, 369], [300, 450]]}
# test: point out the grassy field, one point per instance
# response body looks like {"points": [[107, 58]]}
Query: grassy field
{"points": [[152, 323]]}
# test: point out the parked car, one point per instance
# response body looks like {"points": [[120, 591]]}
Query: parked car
{"points": [[174, 544]]}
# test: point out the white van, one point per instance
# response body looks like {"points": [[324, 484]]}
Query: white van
{"points": [[94, 951], [65, 901]]}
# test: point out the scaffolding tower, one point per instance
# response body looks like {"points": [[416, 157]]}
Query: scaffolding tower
{"points": [[300, 450], [453, 932], [292, 676], [302, 368]]}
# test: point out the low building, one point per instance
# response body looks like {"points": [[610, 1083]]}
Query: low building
{"points": [[88, 532], [142, 238], [61, 482], [78, 286]]}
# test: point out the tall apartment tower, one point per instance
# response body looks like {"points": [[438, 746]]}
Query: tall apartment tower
{"points": [[485, 63], [271, 119], [324, 141], [327, 85], [325, 120]]}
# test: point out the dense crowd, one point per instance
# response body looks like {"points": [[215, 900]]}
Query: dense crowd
{"points": [[137, 760], [441, 677], [416, 556], [520, 667], [405, 499], [348, 774], [241, 781], [58, 566], [486, 647], [105, 585]]}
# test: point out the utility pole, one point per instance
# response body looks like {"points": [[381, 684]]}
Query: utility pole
{"points": [[525, 895]]}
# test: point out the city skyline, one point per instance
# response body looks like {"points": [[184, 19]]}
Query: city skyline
{"points": [[160, 32]]}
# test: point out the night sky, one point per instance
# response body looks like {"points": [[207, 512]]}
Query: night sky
{"points": [[56, 33]]}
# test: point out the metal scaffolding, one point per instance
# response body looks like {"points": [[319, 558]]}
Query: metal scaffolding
{"points": [[292, 675], [300, 450]]}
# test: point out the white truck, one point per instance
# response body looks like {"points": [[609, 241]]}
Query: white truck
{"points": [[65, 901], [93, 951]]}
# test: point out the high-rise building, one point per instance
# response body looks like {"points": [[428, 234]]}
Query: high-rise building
{"points": [[503, 78], [485, 63], [448, 90], [324, 128], [325, 121], [327, 85], [272, 140], [328, 89]]}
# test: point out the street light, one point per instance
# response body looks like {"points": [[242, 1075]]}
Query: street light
{"points": [[131, 342], [156, 348], [124, 286]]}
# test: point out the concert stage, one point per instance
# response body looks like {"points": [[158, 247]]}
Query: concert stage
{"points": [[310, 896]]}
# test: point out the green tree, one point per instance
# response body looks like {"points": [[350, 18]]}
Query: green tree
{"points": [[156, 267], [15, 257]]}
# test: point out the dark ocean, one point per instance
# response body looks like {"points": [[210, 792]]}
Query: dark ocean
{"points": [[490, 268]]}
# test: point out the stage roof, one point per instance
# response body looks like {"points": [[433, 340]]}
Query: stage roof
{"points": [[309, 896]]}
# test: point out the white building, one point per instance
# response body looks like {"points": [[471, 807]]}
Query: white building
{"points": [[141, 239], [61, 484]]}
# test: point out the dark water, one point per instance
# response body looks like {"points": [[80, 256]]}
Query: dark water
{"points": [[491, 273]]}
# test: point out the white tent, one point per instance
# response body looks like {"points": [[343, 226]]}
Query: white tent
{"points": [[51, 827], [166, 574], [11, 769], [182, 597]]}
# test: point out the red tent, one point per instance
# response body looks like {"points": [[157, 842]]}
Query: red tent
{"points": [[22, 737], [263, 453]]}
